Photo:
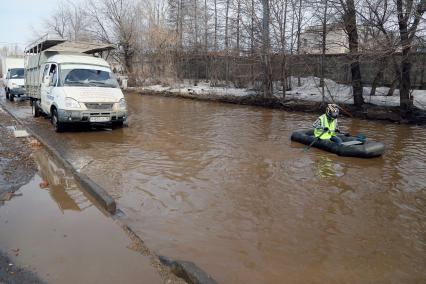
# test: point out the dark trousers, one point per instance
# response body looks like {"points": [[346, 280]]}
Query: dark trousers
{"points": [[336, 139]]}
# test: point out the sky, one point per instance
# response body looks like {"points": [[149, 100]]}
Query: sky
{"points": [[19, 19]]}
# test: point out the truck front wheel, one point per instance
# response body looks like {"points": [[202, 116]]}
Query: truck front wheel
{"points": [[11, 97], [7, 93], [117, 124], [57, 125]]}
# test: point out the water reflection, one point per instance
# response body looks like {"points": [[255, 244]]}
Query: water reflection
{"points": [[326, 168], [61, 185]]}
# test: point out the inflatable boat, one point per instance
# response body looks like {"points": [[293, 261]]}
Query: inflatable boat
{"points": [[351, 146]]}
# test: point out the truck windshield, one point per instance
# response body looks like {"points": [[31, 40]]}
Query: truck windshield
{"points": [[17, 73], [88, 77]]}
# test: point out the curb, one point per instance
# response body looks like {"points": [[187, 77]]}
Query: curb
{"points": [[187, 270], [91, 187]]}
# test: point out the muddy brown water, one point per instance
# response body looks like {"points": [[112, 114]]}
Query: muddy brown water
{"points": [[51, 227], [223, 186]]}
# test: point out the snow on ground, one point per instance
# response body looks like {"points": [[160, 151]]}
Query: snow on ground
{"points": [[202, 88], [309, 90]]}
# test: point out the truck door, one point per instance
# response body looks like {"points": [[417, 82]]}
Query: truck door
{"points": [[49, 81]]}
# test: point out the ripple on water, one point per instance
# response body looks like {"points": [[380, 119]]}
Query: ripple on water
{"points": [[224, 186]]}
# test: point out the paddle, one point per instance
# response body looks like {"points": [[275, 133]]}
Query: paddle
{"points": [[315, 140]]}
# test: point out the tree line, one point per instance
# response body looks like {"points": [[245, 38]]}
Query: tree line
{"points": [[152, 36]]}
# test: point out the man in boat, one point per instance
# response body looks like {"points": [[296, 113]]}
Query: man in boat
{"points": [[325, 127]]}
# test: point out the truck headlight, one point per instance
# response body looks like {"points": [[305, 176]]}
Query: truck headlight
{"points": [[71, 103], [122, 104]]}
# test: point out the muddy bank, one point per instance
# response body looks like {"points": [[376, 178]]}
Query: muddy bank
{"points": [[11, 273], [368, 111], [16, 165]]}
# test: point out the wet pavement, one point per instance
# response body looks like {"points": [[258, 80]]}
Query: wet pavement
{"points": [[223, 186], [52, 228]]}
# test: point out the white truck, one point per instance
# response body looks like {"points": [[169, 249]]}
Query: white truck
{"points": [[12, 72], [71, 83]]}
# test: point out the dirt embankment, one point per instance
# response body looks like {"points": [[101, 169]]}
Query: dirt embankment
{"points": [[367, 111], [16, 165]]}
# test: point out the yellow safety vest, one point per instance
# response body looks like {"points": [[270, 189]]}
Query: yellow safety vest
{"points": [[325, 123]]}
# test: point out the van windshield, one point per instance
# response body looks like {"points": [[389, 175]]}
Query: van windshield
{"points": [[17, 73], [87, 76]]}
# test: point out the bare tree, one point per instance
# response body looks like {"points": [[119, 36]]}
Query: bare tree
{"points": [[115, 21], [68, 21], [350, 25], [410, 14], [280, 9]]}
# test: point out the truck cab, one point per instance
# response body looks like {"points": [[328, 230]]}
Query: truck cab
{"points": [[12, 70], [72, 87], [14, 83]]}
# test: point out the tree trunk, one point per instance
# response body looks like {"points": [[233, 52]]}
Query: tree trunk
{"points": [[406, 103], [180, 23], [238, 26], [205, 27], [290, 84], [215, 25], [252, 44], [266, 45], [351, 29], [379, 76], [283, 42], [299, 31], [206, 48], [227, 42], [195, 25], [324, 45]]}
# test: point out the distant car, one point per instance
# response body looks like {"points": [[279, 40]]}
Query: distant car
{"points": [[14, 83]]}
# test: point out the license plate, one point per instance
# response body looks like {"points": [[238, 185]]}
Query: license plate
{"points": [[99, 119]]}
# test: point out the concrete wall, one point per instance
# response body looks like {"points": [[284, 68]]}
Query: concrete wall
{"points": [[336, 42]]}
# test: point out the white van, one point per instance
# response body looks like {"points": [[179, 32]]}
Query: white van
{"points": [[65, 81], [13, 77]]}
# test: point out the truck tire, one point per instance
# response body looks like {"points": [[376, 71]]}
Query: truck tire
{"points": [[11, 97], [117, 124], [7, 93], [36, 109], [57, 125]]}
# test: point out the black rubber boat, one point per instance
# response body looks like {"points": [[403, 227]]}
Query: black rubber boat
{"points": [[351, 146]]}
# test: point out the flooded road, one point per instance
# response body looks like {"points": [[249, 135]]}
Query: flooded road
{"points": [[223, 186]]}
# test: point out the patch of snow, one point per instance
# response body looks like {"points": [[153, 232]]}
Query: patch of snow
{"points": [[202, 88], [156, 88], [309, 90]]}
